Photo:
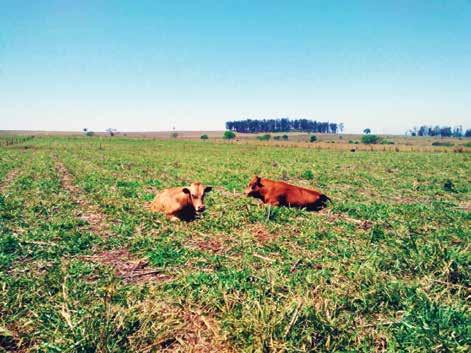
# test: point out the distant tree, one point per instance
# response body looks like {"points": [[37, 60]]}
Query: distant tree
{"points": [[265, 137], [467, 133], [204, 137], [458, 131], [333, 128], [341, 127], [229, 135], [285, 137], [370, 139], [413, 131], [313, 138], [443, 131], [367, 131], [89, 133], [281, 125]]}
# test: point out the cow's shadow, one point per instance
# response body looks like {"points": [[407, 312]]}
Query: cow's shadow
{"points": [[187, 214]]}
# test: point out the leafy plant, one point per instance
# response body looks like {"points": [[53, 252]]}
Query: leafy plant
{"points": [[265, 137], [229, 135], [370, 139]]}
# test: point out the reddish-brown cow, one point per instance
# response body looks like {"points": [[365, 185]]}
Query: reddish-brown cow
{"points": [[278, 193], [181, 203]]}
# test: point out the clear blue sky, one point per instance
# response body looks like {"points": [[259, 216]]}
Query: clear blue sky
{"points": [[152, 65]]}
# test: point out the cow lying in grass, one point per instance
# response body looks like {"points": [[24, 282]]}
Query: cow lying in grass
{"points": [[278, 193], [181, 203]]}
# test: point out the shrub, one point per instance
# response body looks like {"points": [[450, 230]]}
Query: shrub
{"points": [[313, 138], [204, 137], [308, 175], [89, 133], [441, 143], [387, 142], [277, 138], [229, 135], [284, 137], [370, 139], [467, 144], [265, 137], [449, 186]]}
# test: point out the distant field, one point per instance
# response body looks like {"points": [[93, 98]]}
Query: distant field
{"points": [[295, 139], [85, 267]]}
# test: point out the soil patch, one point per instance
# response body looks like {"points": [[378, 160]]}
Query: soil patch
{"points": [[262, 234], [11, 175], [88, 212], [132, 270], [361, 223]]}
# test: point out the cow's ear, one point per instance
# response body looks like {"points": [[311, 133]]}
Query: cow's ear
{"points": [[259, 180], [186, 191], [208, 189]]}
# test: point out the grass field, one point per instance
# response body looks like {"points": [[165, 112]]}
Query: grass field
{"points": [[85, 267]]}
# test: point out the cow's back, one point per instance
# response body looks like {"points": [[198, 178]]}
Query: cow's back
{"points": [[169, 201], [292, 195]]}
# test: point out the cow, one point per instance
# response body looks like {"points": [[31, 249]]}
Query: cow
{"points": [[278, 193], [181, 203]]}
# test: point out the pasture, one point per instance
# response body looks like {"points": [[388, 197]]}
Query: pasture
{"points": [[85, 267]]}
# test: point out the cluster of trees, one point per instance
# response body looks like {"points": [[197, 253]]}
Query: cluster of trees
{"points": [[443, 131], [283, 125]]}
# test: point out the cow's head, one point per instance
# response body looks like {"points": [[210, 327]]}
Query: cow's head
{"points": [[253, 189], [196, 192]]}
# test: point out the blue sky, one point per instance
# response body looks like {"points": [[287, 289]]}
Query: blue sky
{"points": [[152, 65]]}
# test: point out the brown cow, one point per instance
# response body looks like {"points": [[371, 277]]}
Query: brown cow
{"points": [[181, 203], [278, 193]]}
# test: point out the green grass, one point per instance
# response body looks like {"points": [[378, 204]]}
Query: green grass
{"points": [[265, 279]]}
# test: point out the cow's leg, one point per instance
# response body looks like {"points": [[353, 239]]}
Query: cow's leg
{"points": [[273, 202], [172, 218]]}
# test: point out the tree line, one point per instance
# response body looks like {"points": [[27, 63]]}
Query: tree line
{"points": [[283, 125], [442, 131]]}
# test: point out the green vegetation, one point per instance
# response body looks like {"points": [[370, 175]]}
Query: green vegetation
{"points": [[281, 137], [370, 139], [312, 138], [204, 137], [229, 135], [385, 268], [265, 137], [442, 143]]}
